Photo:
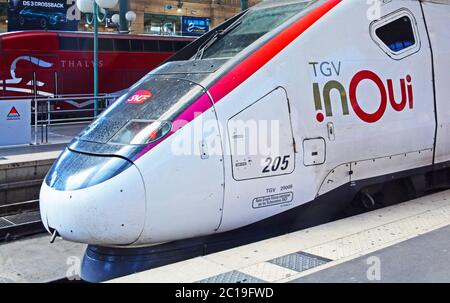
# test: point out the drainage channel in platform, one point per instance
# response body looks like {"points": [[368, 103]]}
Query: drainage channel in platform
{"points": [[13, 227]]}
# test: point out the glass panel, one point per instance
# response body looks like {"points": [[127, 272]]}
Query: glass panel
{"points": [[86, 44], [166, 46], [68, 43], [136, 45], [251, 27], [122, 45], [151, 99], [3, 17], [138, 132], [397, 35], [156, 24], [73, 171], [178, 45], [105, 44], [151, 46]]}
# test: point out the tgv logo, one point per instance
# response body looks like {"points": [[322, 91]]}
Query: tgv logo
{"points": [[322, 95]]}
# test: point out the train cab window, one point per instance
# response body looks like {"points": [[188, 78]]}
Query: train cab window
{"points": [[166, 46], [136, 45], [122, 45], [68, 43], [250, 27], [396, 34], [105, 44], [151, 46]]}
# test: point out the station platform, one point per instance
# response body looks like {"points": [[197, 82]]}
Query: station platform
{"points": [[32, 259], [22, 171], [58, 137], [36, 260], [408, 242]]}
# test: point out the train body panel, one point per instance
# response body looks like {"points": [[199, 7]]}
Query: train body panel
{"points": [[296, 113], [437, 19], [201, 163], [344, 139]]}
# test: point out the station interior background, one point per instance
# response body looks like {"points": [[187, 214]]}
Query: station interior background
{"points": [[159, 17]]}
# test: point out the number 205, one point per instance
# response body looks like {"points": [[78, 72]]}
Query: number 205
{"points": [[275, 164]]}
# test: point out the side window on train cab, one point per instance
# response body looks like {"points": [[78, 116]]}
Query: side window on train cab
{"points": [[396, 34]]}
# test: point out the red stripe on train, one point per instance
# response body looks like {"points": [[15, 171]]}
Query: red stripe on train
{"points": [[249, 66]]}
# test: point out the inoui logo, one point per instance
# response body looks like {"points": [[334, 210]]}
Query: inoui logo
{"points": [[386, 92]]}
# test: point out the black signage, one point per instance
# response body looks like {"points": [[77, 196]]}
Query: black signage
{"points": [[42, 15]]}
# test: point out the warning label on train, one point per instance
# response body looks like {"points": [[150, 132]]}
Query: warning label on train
{"points": [[273, 200]]}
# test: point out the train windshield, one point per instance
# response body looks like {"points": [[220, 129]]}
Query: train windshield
{"points": [[145, 113], [249, 28], [138, 132]]}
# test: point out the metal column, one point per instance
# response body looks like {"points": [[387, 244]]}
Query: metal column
{"points": [[123, 9]]}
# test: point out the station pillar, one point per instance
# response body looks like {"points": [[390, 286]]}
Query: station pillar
{"points": [[123, 9]]}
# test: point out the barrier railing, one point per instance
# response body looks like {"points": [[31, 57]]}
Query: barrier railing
{"points": [[62, 110]]}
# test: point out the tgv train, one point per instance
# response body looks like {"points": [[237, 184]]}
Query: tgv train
{"points": [[351, 100]]}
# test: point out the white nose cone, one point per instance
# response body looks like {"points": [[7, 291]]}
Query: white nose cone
{"points": [[109, 213]]}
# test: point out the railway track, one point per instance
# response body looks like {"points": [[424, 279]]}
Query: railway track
{"points": [[19, 220]]}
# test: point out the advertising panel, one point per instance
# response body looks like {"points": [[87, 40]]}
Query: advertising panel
{"points": [[194, 26], [42, 15]]}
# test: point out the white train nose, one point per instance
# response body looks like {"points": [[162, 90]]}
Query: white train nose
{"points": [[102, 204]]}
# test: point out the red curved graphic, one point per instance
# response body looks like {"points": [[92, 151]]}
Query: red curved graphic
{"points": [[367, 117]]}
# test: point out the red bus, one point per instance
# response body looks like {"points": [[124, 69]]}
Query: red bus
{"points": [[61, 63]]}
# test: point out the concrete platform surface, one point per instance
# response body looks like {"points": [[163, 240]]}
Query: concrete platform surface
{"points": [[424, 259], [297, 255], [59, 136], [34, 260]]}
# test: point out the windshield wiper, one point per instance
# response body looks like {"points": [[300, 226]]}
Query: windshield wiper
{"points": [[211, 40], [217, 36]]}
